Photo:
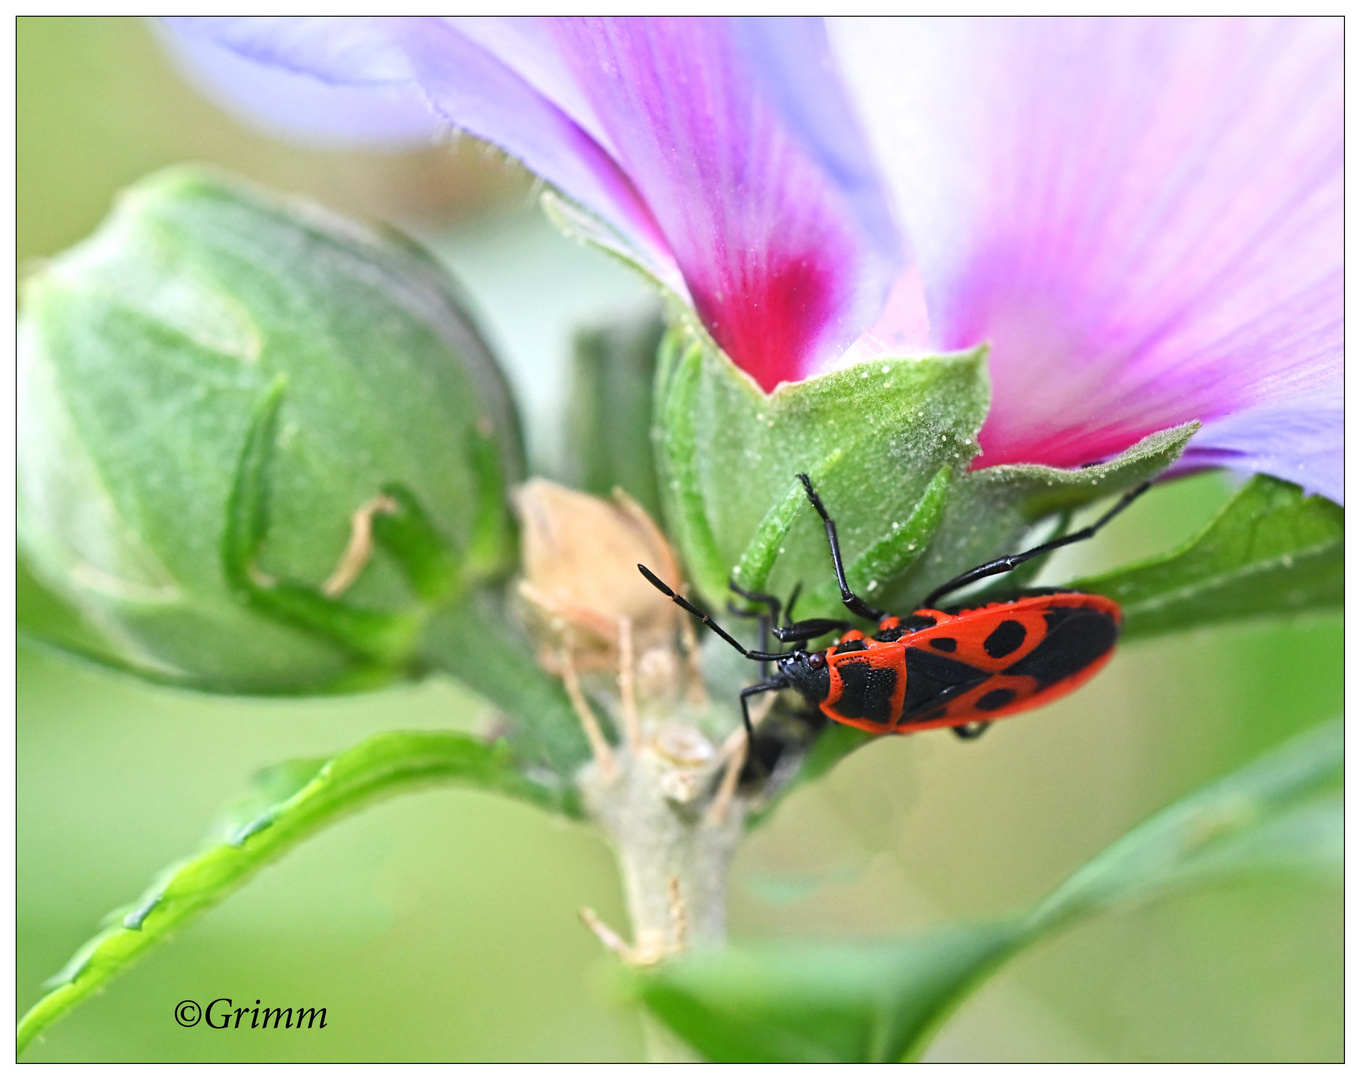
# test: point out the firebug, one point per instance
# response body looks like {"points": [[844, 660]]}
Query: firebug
{"points": [[942, 666]]}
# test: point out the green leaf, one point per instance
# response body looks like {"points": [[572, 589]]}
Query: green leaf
{"points": [[1269, 551], [287, 804], [1282, 811], [609, 424], [876, 438], [802, 1002], [991, 510], [884, 1000]]}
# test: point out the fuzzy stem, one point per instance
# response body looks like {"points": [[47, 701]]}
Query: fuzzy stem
{"points": [[674, 862], [674, 859]]}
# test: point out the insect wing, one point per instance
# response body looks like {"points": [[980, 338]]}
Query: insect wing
{"points": [[1010, 656]]}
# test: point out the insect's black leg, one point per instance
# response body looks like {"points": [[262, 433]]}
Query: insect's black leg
{"points": [[971, 731], [1010, 562], [763, 621], [800, 643], [848, 598], [763, 630], [771, 602], [777, 683], [681, 602], [809, 628]]}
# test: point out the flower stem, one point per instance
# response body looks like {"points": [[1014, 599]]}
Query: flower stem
{"points": [[674, 858]]}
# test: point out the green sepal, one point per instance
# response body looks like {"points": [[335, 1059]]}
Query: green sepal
{"points": [[884, 1000], [609, 419], [429, 562], [875, 437], [1268, 552], [287, 804], [582, 225], [894, 555], [758, 558], [492, 551], [991, 510], [46, 620], [384, 637], [247, 517], [462, 633]]}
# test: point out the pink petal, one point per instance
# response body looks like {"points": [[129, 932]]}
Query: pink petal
{"points": [[767, 246], [1144, 218], [722, 148]]}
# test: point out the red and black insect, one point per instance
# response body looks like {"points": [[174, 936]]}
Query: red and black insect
{"points": [[956, 667]]}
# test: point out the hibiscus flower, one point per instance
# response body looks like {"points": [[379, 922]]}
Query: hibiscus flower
{"points": [[1143, 218]]}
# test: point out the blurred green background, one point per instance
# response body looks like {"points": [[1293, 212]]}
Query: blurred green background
{"points": [[443, 925]]}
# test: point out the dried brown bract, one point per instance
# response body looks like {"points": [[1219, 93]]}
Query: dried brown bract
{"points": [[579, 556]]}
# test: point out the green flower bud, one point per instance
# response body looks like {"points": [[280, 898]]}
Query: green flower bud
{"points": [[258, 444]]}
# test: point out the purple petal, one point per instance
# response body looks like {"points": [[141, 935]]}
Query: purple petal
{"points": [[1143, 217], [388, 108], [1298, 441], [724, 149], [455, 78]]}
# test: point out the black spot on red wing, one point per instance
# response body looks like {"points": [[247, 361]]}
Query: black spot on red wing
{"points": [[1077, 637], [918, 621], [1005, 640], [995, 699], [933, 679], [854, 645], [866, 692], [890, 633], [944, 644]]}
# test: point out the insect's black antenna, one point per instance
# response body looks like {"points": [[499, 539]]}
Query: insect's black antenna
{"points": [[750, 654]]}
